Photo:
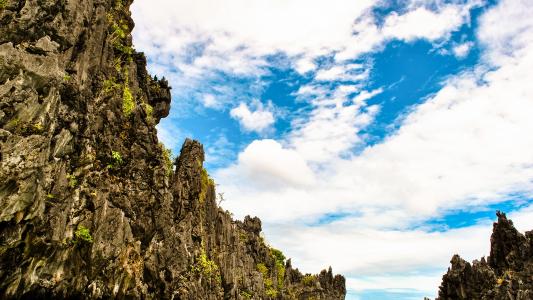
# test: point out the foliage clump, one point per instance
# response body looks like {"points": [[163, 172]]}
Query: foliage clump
{"points": [[262, 269], [148, 109], [308, 280], [3, 4], [167, 158], [246, 294], [116, 159], [110, 85], [72, 180], [82, 234], [270, 290], [207, 267], [206, 181], [128, 103]]}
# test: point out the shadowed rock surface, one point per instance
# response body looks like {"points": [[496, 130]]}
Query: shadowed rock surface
{"points": [[91, 206], [507, 274]]}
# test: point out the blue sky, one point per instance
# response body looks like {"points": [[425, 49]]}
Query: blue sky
{"points": [[378, 137]]}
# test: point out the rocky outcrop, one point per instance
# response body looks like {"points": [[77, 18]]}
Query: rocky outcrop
{"points": [[91, 205], [507, 274]]}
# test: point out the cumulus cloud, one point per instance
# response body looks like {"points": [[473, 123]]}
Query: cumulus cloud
{"points": [[258, 120], [266, 163]]}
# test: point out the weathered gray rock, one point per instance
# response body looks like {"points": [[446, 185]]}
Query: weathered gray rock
{"points": [[90, 204], [506, 275]]}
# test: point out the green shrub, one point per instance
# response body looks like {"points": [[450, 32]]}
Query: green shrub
{"points": [[72, 180], [148, 109], [206, 181], [111, 85], [308, 280], [168, 158], [246, 295], [262, 269], [271, 292], [128, 103], [116, 160], [278, 255], [3, 4], [279, 258], [207, 267], [82, 234], [116, 157]]}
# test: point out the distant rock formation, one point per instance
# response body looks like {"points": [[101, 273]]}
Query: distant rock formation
{"points": [[91, 205], [507, 274]]}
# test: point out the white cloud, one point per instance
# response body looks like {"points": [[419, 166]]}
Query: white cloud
{"points": [[352, 72], [462, 50], [418, 22], [331, 128], [210, 101], [258, 120], [267, 164], [304, 65], [423, 23]]}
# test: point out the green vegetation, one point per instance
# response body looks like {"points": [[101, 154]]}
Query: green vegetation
{"points": [[206, 267], [117, 64], [119, 30], [270, 290], [66, 77], [3, 4], [110, 85], [148, 109], [246, 294], [116, 160], [168, 158], [278, 255], [116, 157], [37, 127], [82, 234], [128, 103], [262, 269], [13, 123], [127, 50], [279, 258], [308, 280], [206, 181], [72, 180]]}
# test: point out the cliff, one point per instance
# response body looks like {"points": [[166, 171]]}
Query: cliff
{"points": [[91, 206], [507, 274]]}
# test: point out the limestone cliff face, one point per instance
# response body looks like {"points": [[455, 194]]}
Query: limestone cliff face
{"points": [[507, 274], [90, 204]]}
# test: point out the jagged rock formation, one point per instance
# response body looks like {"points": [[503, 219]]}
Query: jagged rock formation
{"points": [[90, 204], [507, 274]]}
